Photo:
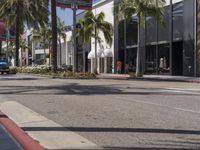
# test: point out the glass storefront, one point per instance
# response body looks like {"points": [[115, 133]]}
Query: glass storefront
{"points": [[129, 54], [160, 59], [169, 48]]}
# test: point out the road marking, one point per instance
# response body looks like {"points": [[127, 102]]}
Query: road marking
{"points": [[179, 91], [161, 105], [49, 134]]}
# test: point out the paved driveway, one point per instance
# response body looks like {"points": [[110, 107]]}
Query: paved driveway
{"points": [[115, 114]]}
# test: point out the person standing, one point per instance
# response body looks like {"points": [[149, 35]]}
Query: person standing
{"points": [[119, 67]]}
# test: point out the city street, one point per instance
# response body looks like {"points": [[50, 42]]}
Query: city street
{"points": [[113, 114]]}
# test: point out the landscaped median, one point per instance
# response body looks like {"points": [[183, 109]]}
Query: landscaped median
{"points": [[43, 70]]}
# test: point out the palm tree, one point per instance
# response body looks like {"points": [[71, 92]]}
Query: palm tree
{"points": [[83, 36], [94, 24], [43, 35], [21, 13], [125, 9], [54, 34], [61, 28]]}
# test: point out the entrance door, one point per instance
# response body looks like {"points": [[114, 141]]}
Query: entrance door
{"points": [[177, 59]]}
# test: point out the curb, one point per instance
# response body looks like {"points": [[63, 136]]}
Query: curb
{"points": [[148, 79], [25, 141], [167, 80]]}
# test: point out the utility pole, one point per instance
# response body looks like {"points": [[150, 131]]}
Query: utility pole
{"points": [[74, 8]]}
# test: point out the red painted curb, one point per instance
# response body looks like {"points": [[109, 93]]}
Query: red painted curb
{"points": [[26, 142]]}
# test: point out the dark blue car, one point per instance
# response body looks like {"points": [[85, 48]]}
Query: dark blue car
{"points": [[4, 66]]}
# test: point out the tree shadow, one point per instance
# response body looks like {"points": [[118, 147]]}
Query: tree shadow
{"points": [[99, 129], [77, 89], [154, 145]]}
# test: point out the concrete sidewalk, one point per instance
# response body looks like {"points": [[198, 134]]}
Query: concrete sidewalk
{"points": [[49, 134], [150, 78]]}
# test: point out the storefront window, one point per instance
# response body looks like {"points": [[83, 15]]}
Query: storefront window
{"points": [[178, 21], [164, 30], [151, 31], [131, 55], [132, 32], [151, 60], [164, 58]]}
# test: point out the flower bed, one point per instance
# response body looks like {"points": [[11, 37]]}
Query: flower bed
{"points": [[46, 70]]}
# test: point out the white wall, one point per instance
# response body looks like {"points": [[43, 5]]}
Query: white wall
{"points": [[107, 8], [173, 1], [68, 48]]}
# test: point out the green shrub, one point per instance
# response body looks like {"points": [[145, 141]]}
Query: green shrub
{"points": [[13, 70], [46, 70]]}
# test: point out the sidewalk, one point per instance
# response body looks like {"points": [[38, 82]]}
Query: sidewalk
{"points": [[36, 132], [150, 78]]}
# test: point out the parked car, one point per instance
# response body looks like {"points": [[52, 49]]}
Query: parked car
{"points": [[4, 66]]}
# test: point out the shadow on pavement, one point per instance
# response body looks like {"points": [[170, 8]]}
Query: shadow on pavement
{"points": [[148, 148], [77, 89], [94, 129]]}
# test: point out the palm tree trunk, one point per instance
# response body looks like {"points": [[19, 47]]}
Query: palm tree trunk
{"points": [[17, 41], [198, 38], [54, 34], [138, 61], [0, 48], [44, 53], [60, 52], [44, 56], [95, 59], [50, 54], [84, 63], [125, 42]]}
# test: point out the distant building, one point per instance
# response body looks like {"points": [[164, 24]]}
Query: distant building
{"points": [[172, 49]]}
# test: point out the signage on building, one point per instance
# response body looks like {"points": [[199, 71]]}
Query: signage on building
{"points": [[7, 34], [81, 4]]}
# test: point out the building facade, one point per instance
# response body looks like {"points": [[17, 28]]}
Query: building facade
{"points": [[172, 49], [169, 49]]}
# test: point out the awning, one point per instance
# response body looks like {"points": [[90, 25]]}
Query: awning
{"points": [[101, 53], [108, 53], [91, 55]]}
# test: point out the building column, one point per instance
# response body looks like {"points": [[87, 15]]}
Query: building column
{"points": [[198, 38], [92, 65], [105, 65], [98, 65], [33, 54]]}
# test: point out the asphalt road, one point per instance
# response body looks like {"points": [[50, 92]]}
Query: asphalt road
{"points": [[115, 114]]}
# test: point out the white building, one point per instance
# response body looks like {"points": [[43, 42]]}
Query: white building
{"points": [[105, 53]]}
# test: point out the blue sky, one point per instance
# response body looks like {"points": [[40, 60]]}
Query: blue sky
{"points": [[66, 14]]}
